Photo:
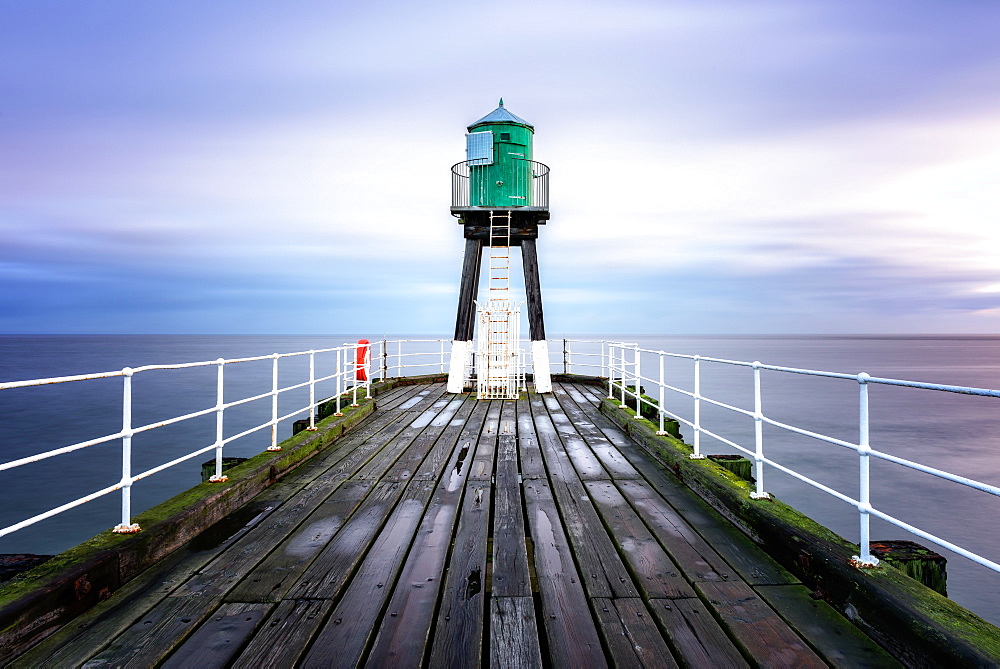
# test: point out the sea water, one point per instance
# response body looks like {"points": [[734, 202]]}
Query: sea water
{"points": [[955, 433]]}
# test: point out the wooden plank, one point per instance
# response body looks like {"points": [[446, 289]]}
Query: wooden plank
{"points": [[284, 636], [833, 636], [458, 632], [696, 558], [756, 627], [410, 461], [216, 642], [270, 579], [531, 464], [418, 431], [570, 632], [587, 466], [458, 429], [354, 620], [514, 633], [486, 445], [696, 635], [750, 561], [604, 574], [532, 289], [402, 638], [155, 635], [631, 634], [654, 571], [510, 575], [579, 414], [326, 575]]}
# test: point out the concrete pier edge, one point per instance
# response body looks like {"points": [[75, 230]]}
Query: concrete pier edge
{"points": [[916, 624]]}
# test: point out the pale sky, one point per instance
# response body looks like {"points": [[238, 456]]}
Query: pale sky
{"points": [[717, 167]]}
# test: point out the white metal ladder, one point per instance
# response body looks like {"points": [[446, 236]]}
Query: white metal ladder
{"points": [[499, 321]]}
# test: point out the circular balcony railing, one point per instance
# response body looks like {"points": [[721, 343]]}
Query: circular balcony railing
{"points": [[533, 192]]}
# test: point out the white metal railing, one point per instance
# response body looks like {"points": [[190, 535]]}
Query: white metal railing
{"points": [[346, 377], [621, 363]]}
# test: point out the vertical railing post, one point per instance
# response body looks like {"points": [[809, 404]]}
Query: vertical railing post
{"points": [[126, 526], [274, 404], [218, 476], [354, 382], [569, 355], [866, 559], [697, 409], [441, 342], [565, 359], [609, 364], [637, 366], [758, 430], [340, 379], [399, 357], [312, 391], [662, 431], [605, 365], [624, 378], [384, 358]]}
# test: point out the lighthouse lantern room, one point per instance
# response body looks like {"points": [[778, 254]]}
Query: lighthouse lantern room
{"points": [[500, 196]]}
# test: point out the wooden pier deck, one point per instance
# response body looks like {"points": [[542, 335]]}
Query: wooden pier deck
{"points": [[444, 531]]}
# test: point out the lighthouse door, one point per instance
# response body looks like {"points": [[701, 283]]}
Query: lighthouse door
{"points": [[516, 175]]}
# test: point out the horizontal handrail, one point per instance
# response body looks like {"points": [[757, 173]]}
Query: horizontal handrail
{"points": [[622, 364], [344, 377]]}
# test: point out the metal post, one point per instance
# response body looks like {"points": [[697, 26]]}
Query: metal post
{"points": [[609, 364], [274, 404], [565, 361], [312, 391], [662, 431], [569, 355], [218, 477], [441, 342], [638, 383], [126, 526], [399, 356], [340, 378], [866, 559], [623, 378], [384, 357], [697, 409], [758, 429]]}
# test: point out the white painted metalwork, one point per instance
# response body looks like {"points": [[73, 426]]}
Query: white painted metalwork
{"points": [[621, 367], [497, 369]]}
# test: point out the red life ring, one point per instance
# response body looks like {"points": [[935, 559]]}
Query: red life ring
{"points": [[361, 360]]}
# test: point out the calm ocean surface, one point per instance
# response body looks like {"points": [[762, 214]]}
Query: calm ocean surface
{"points": [[956, 433]]}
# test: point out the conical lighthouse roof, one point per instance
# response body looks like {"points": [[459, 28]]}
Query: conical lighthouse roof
{"points": [[501, 115]]}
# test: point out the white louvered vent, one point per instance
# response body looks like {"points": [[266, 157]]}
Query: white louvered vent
{"points": [[479, 148]]}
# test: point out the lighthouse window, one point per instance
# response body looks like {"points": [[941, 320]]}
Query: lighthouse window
{"points": [[504, 136], [479, 148]]}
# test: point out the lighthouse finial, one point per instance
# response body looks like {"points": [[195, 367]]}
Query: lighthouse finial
{"points": [[501, 102]]}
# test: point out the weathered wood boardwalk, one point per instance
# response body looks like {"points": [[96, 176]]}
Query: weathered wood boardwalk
{"points": [[450, 532]]}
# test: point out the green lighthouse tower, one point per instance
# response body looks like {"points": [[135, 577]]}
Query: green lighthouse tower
{"points": [[500, 196]]}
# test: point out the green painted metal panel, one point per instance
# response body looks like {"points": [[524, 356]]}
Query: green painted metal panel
{"points": [[508, 181]]}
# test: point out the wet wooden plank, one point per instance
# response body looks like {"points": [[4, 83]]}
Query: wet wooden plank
{"points": [[696, 635], [579, 412], [604, 574], [413, 457], [458, 632], [510, 575], [482, 463], [833, 636], [217, 641], [570, 632], [327, 574], [755, 625], [529, 452], [587, 466], [283, 637], [514, 633], [354, 620], [402, 638], [654, 572], [465, 425], [750, 561], [270, 579], [416, 430], [155, 635], [631, 634], [693, 554]]}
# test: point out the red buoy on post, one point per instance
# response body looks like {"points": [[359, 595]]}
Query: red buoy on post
{"points": [[364, 356]]}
